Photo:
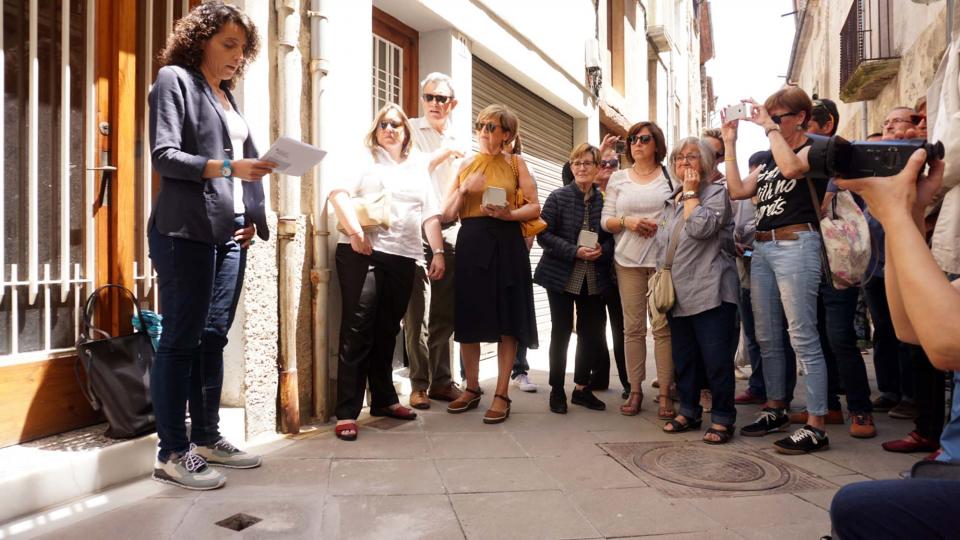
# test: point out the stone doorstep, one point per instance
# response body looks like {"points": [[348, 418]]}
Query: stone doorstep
{"points": [[51, 471]]}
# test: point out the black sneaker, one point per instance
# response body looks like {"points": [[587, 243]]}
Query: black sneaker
{"points": [[883, 404], [558, 401], [768, 421], [803, 441], [587, 399]]}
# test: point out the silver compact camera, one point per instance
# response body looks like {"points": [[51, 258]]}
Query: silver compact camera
{"points": [[738, 111]]}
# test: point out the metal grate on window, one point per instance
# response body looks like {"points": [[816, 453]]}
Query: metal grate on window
{"points": [[387, 73], [867, 34]]}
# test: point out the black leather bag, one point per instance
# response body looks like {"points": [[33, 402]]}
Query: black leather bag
{"points": [[117, 373]]}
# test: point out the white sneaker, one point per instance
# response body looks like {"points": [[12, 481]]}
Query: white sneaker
{"points": [[522, 382]]}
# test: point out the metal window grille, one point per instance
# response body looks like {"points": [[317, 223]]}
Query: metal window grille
{"points": [[387, 73], [867, 34]]}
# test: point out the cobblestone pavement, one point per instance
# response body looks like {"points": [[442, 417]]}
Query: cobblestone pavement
{"points": [[586, 474]]}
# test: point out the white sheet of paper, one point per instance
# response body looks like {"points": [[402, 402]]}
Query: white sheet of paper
{"points": [[293, 157]]}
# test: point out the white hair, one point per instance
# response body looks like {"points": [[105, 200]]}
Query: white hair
{"points": [[437, 78]]}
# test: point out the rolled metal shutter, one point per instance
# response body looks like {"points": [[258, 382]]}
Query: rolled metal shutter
{"points": [[547, 136]]}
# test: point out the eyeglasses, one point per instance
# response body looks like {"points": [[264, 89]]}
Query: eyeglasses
{"points": [[892, 121], [643, 139], [435, 97], [582, 164], [613, 163], [689, 158], [489, 127], [395, 124], [777, 118]]}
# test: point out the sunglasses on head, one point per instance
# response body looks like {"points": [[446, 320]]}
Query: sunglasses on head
{"points": [[489, 127], [777, 118], [435, 97], [612, 163], [643, 139], [395, 124]]}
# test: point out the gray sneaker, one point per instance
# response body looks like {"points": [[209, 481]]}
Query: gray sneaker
{"points": [[188, 470], [224, 454]]}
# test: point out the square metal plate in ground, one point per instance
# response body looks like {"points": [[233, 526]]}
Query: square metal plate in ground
{"points": [[693, 469], [238, 522], [386, 423]]}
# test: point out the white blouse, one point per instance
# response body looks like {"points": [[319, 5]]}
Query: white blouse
{"points": [[238, 131], [624, 197], [412, 201]]}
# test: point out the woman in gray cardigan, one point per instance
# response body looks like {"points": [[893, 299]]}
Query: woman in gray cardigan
{"points": [[210, 205], [705, 281]]}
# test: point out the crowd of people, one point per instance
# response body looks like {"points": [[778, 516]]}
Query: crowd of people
{"points": [[683, 241]]}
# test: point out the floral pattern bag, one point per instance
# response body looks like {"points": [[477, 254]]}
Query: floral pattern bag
{"points": [[846, 240]]}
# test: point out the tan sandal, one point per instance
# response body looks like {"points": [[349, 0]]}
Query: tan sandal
{"points": [[465, 403], [665, 411], [496, 417], [632, 406]]}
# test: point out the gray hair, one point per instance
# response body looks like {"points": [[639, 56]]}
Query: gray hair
{"points": [[437, 78], [707, 159]]}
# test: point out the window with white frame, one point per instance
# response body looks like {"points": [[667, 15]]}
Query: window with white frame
{"points": [[387, 73]]}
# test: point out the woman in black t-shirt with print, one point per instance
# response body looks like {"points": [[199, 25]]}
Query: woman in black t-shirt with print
{"points": [[785, 270]]}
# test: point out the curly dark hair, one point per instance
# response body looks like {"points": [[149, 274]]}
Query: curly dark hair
{"points": [[185, 44]]}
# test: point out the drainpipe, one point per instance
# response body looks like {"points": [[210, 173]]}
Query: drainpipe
{"points": [[320, 274], [289, 85]]}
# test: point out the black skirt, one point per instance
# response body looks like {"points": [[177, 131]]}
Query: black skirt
{"points": [[492, 283]]}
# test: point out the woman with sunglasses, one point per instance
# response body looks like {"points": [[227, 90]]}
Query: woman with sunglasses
{"points": [[696, 224], [631, 208], [785, 270], [575, 271], [375, 268], [493, 302]]}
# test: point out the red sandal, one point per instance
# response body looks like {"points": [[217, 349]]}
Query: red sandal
{"points": [[341, 428]]}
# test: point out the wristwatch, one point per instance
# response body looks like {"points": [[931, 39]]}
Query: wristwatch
{"points": [[226, 171], [766, 132], [688, 195]]}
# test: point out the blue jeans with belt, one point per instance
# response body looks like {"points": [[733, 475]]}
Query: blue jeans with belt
{"points": [[785, 281], [199, 289]]}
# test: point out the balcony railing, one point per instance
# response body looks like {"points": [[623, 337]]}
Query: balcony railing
{"points": [[868, 59]]}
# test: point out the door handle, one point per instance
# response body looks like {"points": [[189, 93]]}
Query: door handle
{"points": [[103, 198]]}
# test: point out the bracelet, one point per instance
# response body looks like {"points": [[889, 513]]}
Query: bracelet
{"points": [[438, 251], [734, 158], [766, 132], [622, 220]]}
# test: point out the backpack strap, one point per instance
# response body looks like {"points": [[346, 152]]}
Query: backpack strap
{"points": [[815, 200]]}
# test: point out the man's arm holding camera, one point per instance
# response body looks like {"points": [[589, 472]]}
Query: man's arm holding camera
{"points": [[924, 305]]}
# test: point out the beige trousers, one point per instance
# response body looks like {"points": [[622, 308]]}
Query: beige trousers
{"points": [[633, 294]]}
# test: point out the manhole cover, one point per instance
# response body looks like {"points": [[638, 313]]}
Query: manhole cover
{"points": [[712, 468], [238, 522]]}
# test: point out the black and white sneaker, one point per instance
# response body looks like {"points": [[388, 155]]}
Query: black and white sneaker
{"points": [[803, 441], [768, 421]]}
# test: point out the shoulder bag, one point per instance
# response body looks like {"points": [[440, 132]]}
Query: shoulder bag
{"points": [[531, 227], [660, 292], [845, 239]]}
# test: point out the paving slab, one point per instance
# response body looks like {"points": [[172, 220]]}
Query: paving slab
{"points": [[528, 514], [492, 475], [496, 444], [281, 517], [384, 477], [375, 517], [639, 512], [760, 510], [580, 472], [161, 516]]}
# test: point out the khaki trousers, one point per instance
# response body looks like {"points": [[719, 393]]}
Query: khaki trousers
{"points": [[633, 295]]}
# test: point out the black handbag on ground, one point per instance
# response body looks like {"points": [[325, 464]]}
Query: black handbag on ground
{"points": [[117, 373]]}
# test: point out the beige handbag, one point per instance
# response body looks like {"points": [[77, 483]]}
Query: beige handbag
{"points": [[373, 211], [660, 292]]}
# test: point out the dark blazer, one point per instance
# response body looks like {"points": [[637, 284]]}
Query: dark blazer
{"points": [[563, 212], [188, 127]]}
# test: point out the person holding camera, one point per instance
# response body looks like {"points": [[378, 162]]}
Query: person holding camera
{"points": [[376, 268], [925, 307], [631, 208], [575, 271], [695, 224], [786, 266], [493, 300]]}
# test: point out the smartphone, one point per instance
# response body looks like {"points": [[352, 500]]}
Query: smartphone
{"points": [[738, 111], [748, 253], [621, 147]]}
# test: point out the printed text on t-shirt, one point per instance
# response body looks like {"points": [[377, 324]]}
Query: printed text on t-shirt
{"points": [[771, 192]]}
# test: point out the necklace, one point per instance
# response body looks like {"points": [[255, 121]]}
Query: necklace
{"points": [[636, 170]]}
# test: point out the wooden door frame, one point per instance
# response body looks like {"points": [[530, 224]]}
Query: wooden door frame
{"points": [[390, 28]]}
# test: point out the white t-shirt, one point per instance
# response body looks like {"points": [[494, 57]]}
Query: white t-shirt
{"points": [[238, 132], [624, 197], [412, 201]]}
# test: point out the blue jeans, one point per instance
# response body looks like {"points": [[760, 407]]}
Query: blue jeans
{"points": [[520, 364], [756, 385], [912, 508], [703, 359], [785, 281], [199, 290], [840, 308]]}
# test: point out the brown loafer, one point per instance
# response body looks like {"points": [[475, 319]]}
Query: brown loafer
{"points": [[469, 399], [419, 399], [449, 392]]}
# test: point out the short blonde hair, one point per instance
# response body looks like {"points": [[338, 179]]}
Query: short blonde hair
{"points": [[371, 139], [707, 160], [585, 148]]}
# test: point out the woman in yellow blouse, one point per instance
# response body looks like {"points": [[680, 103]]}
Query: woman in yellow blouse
{"points": [[493, 287]]}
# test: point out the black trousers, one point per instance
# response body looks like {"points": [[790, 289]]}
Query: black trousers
{"points": [[375, 291], [591, 339], [600, 374], [929, 392]]}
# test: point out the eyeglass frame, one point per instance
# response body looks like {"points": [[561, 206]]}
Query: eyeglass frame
{"points": [[689, 158], [439, 98], [777, 118], [583, 164], [612, 163], [632, 139]]}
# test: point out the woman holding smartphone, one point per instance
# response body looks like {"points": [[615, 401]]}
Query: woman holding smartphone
{"points": [[494, 293], [575, 271]]}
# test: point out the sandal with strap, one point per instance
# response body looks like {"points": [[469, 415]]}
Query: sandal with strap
{"points": [[496, 417], [677, 426], [463, 403], [723, 435], [399, 412], [340, 430], [665, 412], [632, 406]]}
